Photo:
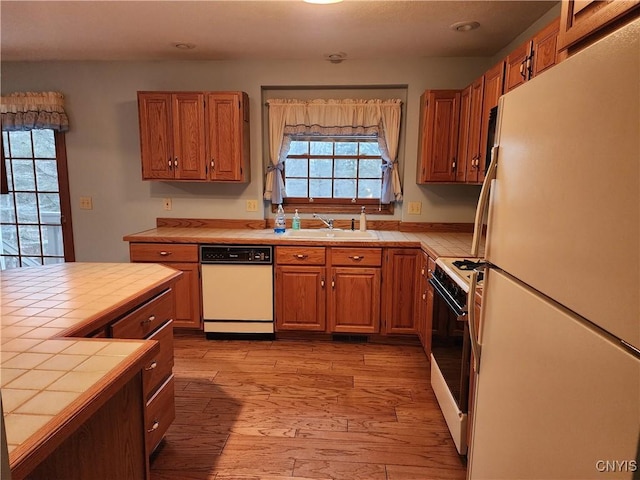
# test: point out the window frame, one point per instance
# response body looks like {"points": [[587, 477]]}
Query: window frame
{"points": [[333, 205]]}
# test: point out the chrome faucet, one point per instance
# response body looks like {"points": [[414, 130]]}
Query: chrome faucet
{"points": [[328, 223]]}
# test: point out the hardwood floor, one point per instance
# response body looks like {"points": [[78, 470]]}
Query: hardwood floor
{"points": [[305, 410]]}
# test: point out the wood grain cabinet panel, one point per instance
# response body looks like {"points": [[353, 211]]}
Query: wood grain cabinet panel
{"points": [[582, 20], [160, 412], [400, 287], [424, 324], [356, 257], [146, 318], [439, 117], [160, 367], [227, 126], [354, 300], [464, 134], [183, 257], [194, 136], [300, 255], [532, 57], [300, 297]]}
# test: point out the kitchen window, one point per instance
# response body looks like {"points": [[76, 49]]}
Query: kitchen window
{"points": [[333, 171], [35, 217]]}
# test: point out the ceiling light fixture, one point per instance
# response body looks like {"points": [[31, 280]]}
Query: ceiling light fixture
{"points": [[464, 26], [184, 46], [322, 2]]}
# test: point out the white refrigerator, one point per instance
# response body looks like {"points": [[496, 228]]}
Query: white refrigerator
{"points": [[558, 385]]}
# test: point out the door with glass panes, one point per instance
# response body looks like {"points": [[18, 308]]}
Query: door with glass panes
{"points": [[35, 211]]}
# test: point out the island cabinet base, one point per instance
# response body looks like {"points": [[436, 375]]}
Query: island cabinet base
{"points": [[109, 445]]}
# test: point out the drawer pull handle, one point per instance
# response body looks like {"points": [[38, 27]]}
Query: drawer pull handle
{"points": [[148, 320], [301, 256], [153, 365], [164, 253], [356, 257], [156, 425]]}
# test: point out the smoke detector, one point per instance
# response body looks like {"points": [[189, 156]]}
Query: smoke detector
{"points": [[464, 26], [338, 57]]}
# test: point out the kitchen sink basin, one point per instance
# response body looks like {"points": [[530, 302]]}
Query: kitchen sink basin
{"points": [[324, 233]]}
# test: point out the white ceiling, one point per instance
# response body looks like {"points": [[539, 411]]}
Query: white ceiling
{"points": [[267, 29]]}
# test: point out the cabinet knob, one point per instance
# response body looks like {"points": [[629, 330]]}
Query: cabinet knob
{"points": [[175, 162], [356, 258], [153, 365], [156, 425], [322, 283], [170, 164], [301, 256], [213, 163], [164, 253], [148, 320]]}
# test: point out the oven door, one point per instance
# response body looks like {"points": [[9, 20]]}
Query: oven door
{"points": [[450, 363]]}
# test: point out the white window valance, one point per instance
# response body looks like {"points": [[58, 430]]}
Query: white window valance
{"points": [[380, 118], [33, 111]]}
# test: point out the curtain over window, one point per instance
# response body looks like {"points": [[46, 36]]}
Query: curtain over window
{"points": [[380, 118], [33, 111]]}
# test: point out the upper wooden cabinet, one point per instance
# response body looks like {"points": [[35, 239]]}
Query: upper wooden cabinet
{"points": [[439, 116], [227, 126], [582, 20], [194, 136], [469, 170], [532, 57]]}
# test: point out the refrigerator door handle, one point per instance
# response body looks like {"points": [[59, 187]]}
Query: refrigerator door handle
{"points": [[471, 318], [483, 201]]}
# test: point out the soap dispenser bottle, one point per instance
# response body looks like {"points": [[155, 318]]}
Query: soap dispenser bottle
{"points": [[295, 221], [363, 221], [280, 223]]}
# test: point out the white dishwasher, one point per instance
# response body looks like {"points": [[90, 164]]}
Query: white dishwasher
{"points": [[237, 290]]}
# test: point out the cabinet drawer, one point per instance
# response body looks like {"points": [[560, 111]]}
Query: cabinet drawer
{"points": [[145, 319], [160, 412], [366, 257], [159, 368], [163, 252], [300, 255]]}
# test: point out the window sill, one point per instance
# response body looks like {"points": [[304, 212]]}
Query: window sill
{"points": [[371, 207]]}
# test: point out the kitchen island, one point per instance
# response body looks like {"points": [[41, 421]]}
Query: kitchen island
{"points": [[75, 407]]}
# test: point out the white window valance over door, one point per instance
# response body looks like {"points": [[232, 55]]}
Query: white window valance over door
{"points": [[380, 118], [33, 111]]}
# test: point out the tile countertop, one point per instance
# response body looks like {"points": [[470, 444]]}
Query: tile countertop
{"points": [[436, 244], [46, 378]]}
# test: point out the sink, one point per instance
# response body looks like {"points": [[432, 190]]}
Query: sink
{"points": [[337, 233]]}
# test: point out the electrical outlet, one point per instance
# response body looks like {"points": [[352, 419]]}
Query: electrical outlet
{"points": [[86, 203], [414, 208], [252, 205], [166, 203]]}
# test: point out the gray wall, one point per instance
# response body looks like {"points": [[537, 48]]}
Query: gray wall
{"points": [[104, 153]]}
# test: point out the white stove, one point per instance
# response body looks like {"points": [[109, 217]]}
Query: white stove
{"points": [[459, 270]]}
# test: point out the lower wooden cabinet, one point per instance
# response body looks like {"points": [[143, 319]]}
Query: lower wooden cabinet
{"points": [[182, 257], [300, 298], [153, 320], [400, 302], [424, 322], [334, 290]]}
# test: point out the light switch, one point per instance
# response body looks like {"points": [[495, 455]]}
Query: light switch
{"points": [[252, 205]]}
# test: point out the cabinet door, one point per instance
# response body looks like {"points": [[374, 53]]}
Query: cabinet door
{"points": [[300, 298], [188, 136], [463, 134], [225, 136], [187, 288], [156, 136], [354, 300], [493, 83], [425, 308], [399, 290], [517, 67], [439, 142], [472, 161], [545, 48], [580, 19]]}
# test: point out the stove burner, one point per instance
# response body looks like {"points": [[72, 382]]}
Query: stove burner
{"points": [[468, 264]]}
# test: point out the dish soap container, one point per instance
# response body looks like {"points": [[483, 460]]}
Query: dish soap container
{"points": [[281, 222], [295, 222], [363, 221]]}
